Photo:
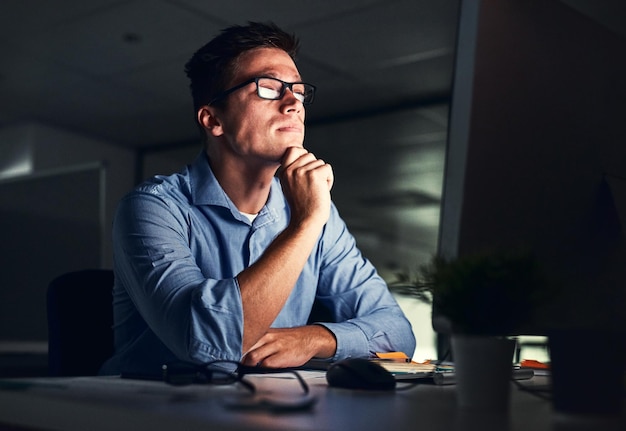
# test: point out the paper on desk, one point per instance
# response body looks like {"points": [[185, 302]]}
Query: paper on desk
{"points": [[407, 367], [398, 362]]}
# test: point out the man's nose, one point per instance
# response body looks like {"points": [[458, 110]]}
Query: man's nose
{"points": [[290, 101]]}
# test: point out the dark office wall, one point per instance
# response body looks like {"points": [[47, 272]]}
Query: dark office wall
{"points": [[52, 223], [56, 211]]}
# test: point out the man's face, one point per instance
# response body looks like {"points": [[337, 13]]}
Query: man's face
{"points": [[257, 129]]}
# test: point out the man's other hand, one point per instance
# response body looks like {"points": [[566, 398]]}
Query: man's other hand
{"points": [[291, 347]]}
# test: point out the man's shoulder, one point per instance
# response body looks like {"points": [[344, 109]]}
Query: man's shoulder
{"points": [[173, 187]]}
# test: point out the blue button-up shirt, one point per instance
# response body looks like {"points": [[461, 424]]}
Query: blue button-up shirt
{"points": [[179, 243]]}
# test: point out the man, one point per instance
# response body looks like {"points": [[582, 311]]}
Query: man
{"points": [[225, 260]]}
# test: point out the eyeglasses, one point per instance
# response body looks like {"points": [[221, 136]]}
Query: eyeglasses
{"points": [[273, 89], [223, 372], [220, 372]]}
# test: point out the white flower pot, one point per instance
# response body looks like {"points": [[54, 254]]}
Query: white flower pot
{"points": [[483, 367]]}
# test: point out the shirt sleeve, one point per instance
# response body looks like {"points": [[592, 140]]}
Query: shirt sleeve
{"points": [[368, 317], [197, 318]]}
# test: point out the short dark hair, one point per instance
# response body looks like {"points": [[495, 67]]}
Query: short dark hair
{"points": [[210, 68]]}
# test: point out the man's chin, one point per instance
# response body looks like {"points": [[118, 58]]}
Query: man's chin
{"points": [[290, 139]]}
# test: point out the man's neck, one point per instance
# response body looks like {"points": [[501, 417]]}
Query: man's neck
{"points": [[246, 187]]}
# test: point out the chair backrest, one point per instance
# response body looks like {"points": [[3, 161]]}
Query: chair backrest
{"points": [[80, 319]]}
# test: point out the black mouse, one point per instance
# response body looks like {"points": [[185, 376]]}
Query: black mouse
{"points": [[359, 373]]}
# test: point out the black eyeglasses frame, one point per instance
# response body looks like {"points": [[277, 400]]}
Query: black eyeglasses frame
{"points": [[181, 373], [285, 85]]}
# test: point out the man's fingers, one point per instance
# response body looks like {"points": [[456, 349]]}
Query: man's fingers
{"points": [[258, 354], [291, 155], [330, 178]]}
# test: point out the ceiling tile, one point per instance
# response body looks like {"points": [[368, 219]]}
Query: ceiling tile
{"points": [[166, 80], [373, 36], [97, 44], [287, 14], [21, 19]]}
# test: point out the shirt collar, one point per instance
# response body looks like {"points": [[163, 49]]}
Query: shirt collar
{"points": [[206, 190]]}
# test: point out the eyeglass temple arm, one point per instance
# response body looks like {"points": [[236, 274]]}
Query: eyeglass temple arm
{"points": [[247, 369]]}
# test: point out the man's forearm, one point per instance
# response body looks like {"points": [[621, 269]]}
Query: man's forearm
{"points": [[266, 285]]}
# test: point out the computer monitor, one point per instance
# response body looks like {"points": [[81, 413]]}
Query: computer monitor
{"points": [[536, 153]]}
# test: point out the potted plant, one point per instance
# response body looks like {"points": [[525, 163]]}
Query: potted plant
{"points": [[485, 294], [486, 298]]}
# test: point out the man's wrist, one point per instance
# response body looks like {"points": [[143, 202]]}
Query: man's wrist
{"points": [[327, 342]]}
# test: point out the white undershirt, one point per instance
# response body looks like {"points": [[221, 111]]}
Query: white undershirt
{"points": [[250, 217]]}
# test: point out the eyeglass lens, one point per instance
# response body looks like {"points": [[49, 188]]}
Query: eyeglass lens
{"points": [[274, 89]]}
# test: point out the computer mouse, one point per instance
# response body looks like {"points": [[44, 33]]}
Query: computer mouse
{"points": [[359, 373]]}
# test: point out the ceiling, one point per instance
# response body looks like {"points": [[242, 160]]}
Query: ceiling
{"points": [[114, 69]]}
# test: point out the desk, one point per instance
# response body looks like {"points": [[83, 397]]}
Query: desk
{"points": [[106, 403]]}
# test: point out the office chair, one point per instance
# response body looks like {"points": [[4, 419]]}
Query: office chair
{"points": [[80, 319]]}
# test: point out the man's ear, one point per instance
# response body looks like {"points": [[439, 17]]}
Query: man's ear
{"points": [[209, 121]]}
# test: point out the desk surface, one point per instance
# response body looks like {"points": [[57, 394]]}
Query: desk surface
{"points": [[104, 403]]}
